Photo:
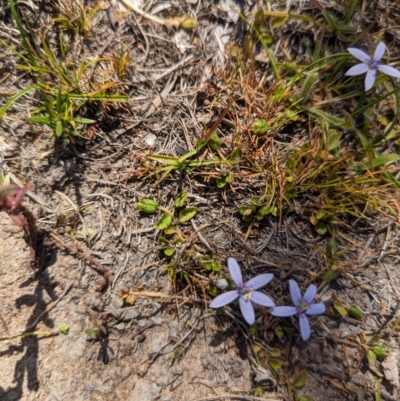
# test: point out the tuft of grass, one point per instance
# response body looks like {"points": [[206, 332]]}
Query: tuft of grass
{"points": [[62, 83]]}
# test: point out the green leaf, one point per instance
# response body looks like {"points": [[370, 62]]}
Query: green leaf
{"points": [[266, 39], [307, 86], [275, 364], [325, 116], [355, 312], [171, 161], [377, 386], [382, 161], [187, 214], [275, 352], [59, 101], [236, 154], [223, 180], [181, 198], [214, 142], [149, 206], [170, 230], [330, 275], [331, 246], [59, 128], [300, 379], [211, 264], [163, 241], [334, 139], [375, 339], [245, 210], [260, 127], [340, 309], [169, 251], [330, 20], [371, 356], [164, 221], [277, 22], [81, 120], [93, 332], [108, 98], [320, 227], [306, 398], [39, 119], [212, 290], [380, 351], [64, 329], [291, 193]]}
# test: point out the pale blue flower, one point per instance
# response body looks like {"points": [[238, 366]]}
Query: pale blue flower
{"points": [[371, 65], [246, 292], [303, 306]]}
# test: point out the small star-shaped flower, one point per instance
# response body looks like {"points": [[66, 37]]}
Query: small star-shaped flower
{"points": [[371, 65], [246, 292], [303, 305]]}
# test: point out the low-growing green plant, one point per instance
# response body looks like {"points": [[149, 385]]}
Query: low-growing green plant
{"points": [[170, 221], [97, 326], [62, 86]]}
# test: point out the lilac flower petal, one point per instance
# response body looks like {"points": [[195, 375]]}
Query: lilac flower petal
{"points": [[357, 70], [247, 311], [386, 69], [309, 295], [234, 270], [370, 79], [283, 311], [359, 54], [224, 299], [304, 327], [262, 299], [379, 51], [316, 309], [295, 292], [259, 281]]}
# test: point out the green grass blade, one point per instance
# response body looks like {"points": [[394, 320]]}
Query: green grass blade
{"points": [[171, 161], [308, 84], [381, 161], [350, 12], [327, 117], [39, 120], [108, 98], [16, 97]]}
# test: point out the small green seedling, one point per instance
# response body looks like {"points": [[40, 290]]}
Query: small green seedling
{"points": [[170, 221], [98, 326], [210, 264], [256, 210], [148, 206]]}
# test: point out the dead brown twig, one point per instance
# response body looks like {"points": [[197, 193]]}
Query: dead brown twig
{"points": [[82, 254]]}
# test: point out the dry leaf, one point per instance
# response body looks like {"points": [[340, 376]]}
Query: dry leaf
{"points": [[127, 296], [391, 370], [130, 296]]}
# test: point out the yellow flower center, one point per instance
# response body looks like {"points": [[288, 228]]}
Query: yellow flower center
{"points": [[246, 293], [302, 306]]}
